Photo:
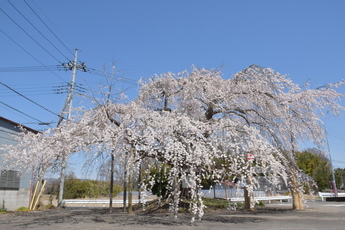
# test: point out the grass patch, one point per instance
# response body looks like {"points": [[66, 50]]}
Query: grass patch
{"points": [[240, 205], [3, 210], [260, 204], [23, 209], [215, 203], [210, 203]]}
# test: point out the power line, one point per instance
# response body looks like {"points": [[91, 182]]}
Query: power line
{"points": [[29, 99], [30, 54], [30, 36], [54, 26], [25, 87], [52, 88], [47, 27], [34, 85], [13, 112], [20, 111], [37, 29], [29, 94], [27, 91], [32, 90], [44, 123], [31, 68], [336, 133]]}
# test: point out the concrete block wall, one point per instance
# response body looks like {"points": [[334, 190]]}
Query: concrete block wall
{"points": [[13, 199]]}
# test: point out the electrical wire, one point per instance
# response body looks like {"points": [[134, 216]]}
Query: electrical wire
{"points": [[31, 90], [31, 68], [29, 94], [48, 27], [13, 112], [30, 54], [33, 87], [30, 36], [27, 91], [37, 30], [336, 133], [30, 123], [17, 110], [30, 99], [339, 161]]}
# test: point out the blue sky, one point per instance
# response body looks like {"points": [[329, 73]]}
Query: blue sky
{"points": [[305, 39]]}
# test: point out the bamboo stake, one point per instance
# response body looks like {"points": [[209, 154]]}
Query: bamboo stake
{"points": [[33, 195], [39, 195]]}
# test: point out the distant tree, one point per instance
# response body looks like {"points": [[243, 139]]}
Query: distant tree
{"points": [[76, 188], [317, 167], [340, 177], [319, 152]]}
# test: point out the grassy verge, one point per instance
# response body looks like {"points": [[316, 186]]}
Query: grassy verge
{"points": [[3, 210]]}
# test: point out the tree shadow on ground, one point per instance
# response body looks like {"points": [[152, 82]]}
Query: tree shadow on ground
{"points": [[139, 217]]}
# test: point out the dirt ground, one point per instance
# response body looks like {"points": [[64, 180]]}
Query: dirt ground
{"points": [[318, 215]]}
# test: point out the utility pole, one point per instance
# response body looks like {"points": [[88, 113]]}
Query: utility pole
{"points": [[334, 185], [72, 65]]}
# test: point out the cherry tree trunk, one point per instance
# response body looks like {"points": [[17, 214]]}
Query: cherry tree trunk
{"points": [[125, 189], [130, 182], [111, 183], [249, 202], [296, 191], [130, 195]]}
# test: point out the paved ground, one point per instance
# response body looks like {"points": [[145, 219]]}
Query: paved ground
{"points": [[318, 215]]}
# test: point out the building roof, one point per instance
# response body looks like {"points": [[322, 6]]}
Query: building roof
{"points": [[19, 125]]}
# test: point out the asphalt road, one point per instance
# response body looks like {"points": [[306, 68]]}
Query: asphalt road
{"points": [[318, 215]]}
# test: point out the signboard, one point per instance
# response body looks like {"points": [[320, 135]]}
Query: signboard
{"points": [[250, 157]]}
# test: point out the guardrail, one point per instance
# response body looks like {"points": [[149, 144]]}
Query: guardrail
{"points": [[266, 198], [323, 195], [102, 202], [105, 203]]}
